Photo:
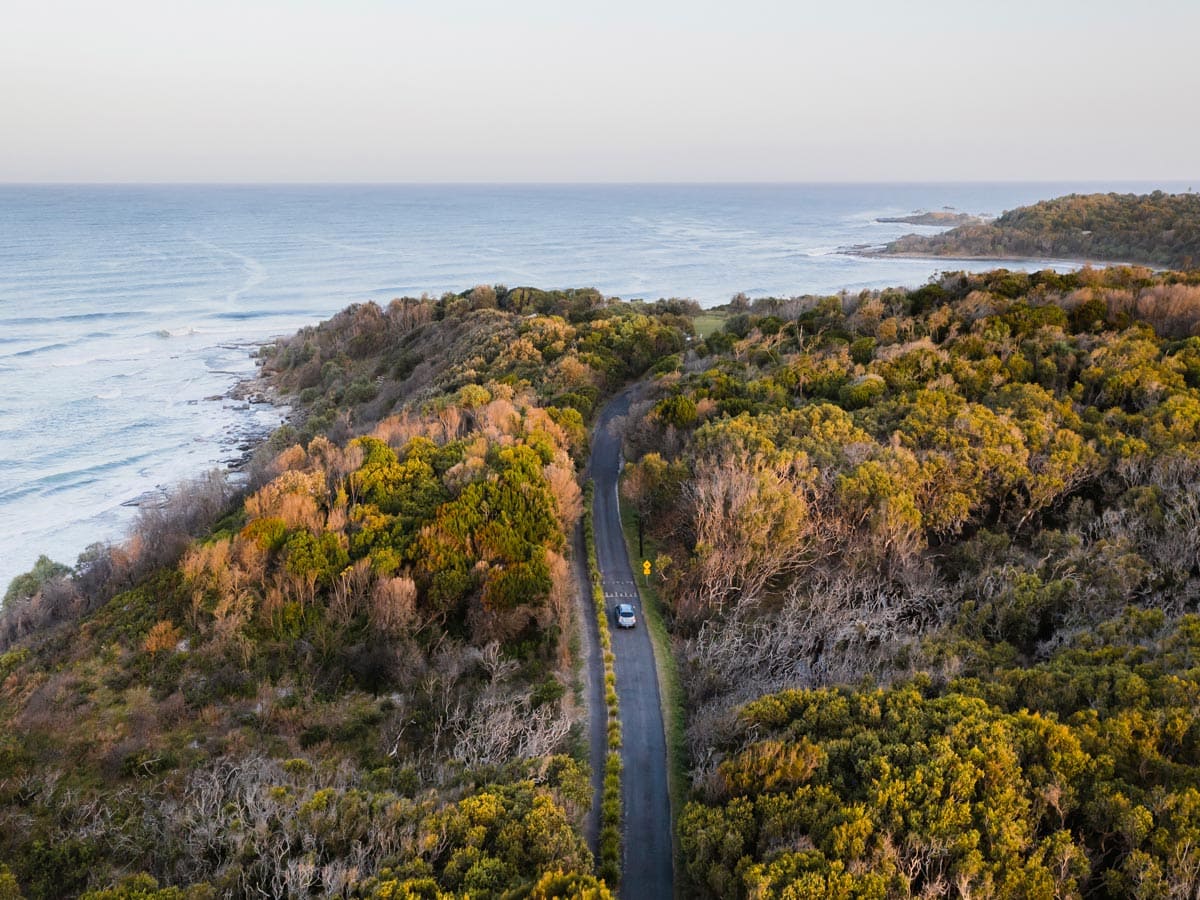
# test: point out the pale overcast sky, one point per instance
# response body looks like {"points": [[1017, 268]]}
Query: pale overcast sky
{"points": [[551, 90]]}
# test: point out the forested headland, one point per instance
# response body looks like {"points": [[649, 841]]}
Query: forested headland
{"points": [[359, 677], [1155, 229], [929, 559]]}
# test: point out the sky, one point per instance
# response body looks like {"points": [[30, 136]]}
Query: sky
{"points": [[552, 90]]}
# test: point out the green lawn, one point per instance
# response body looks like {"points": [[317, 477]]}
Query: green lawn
{"points": [[707, 323]]}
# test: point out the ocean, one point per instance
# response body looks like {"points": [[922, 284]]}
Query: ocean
{"points": [[128, 312]]}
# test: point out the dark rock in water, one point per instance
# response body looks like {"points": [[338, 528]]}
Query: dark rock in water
{"points": [[155, 498], [863, 249]]}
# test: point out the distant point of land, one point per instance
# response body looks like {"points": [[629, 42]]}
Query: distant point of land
{"points": [[939, 217], [1157, 229]]}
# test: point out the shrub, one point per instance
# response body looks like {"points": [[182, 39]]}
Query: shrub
{"points": [[162, 638], [24, 586]]}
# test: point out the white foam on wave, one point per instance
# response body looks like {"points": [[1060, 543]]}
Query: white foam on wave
{"points": [[871, 216], [350, 248], [75, 363], [98, 360], [107, 395], [256, 272]]}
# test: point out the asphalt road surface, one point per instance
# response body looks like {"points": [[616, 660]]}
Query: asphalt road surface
{"points": [[647, 873]]}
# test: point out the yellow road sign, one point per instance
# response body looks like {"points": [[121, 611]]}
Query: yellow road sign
{"points": [[646, 567]]}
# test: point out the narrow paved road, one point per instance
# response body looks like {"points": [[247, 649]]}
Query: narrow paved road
{"points": [[647, 870]]}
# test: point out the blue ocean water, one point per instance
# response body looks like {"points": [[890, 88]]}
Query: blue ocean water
{"points": [[124, 310]]}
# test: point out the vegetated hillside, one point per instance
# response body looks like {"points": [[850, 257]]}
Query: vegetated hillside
{"points": [[1153, 229], [932, 560], [358, 678]]}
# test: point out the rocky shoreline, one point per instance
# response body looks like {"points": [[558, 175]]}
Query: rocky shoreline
{"points": [[257, 399], [256, 394]]}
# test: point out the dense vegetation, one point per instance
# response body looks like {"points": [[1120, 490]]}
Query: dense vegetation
{"points": [[984, 496], [357, 678], [931, 560], [1078, 775], [1154, 229]]}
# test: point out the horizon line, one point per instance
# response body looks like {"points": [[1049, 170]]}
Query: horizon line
{"points": [[613, 183]]}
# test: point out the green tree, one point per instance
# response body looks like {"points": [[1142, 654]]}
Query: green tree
{"points": [[28, 584]]}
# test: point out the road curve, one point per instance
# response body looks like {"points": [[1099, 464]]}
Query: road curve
{"points": [[647, 873]]}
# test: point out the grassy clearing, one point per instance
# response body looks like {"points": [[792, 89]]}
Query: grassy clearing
{"points": [[669, 689], [708, 322]]}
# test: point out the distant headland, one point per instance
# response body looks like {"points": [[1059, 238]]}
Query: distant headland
{"points": [[1156, 229], [936, 217]]}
